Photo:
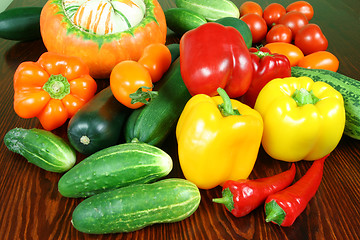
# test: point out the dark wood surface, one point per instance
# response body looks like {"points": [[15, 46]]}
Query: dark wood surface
{"points": [[32, 208]]}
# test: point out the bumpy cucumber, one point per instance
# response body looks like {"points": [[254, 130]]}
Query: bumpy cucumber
{"points": [[42, 148], [114, 167], [137, 206], [348, 87]]}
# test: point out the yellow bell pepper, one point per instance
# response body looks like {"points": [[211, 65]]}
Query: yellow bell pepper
{"points": [[303, 119], [218, 139]]}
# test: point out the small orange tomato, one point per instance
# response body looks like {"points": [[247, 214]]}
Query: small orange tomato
{"points": [[130, 77], [250, 7], [292, 52], [156, 58], [320, 60]]}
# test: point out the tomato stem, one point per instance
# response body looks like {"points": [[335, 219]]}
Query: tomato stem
{"points": [[57, 86], [143, 96]]}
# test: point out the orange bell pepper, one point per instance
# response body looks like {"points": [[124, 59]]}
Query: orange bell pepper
{"points": [[52, 89]]}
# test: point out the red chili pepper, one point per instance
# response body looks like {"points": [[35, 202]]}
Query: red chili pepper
{"points": [[242, 196], [285, 206]]}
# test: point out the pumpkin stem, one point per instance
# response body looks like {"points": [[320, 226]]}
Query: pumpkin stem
{"points": [[143, 96]]}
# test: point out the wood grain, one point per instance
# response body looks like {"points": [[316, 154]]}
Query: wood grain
{"points": [[32, 208]]}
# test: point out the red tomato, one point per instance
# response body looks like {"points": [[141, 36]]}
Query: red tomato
{"points": [[294, 20], [257, 26], [320, 60], [311, 39], [279, 33], [303, 7], [292, 52], [250, 7], [272, 13]]}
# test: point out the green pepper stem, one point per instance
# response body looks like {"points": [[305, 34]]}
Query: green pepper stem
{"points": [[303, 97], [274, 213], [227, 199], [57, 86], [262, 54], [142, 96], [226, 108]]}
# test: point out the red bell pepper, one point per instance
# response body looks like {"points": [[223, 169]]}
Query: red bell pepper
{"points": [[213, 56], [267, 66]]}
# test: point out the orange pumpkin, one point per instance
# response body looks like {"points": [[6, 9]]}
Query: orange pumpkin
{"points": [[101, 52]]}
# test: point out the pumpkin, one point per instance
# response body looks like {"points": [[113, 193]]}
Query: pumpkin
{"points": [[102, 32]]}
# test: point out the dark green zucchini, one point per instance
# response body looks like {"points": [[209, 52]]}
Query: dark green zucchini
{"points": [[98, 124], [174, 49], [20, 24]]}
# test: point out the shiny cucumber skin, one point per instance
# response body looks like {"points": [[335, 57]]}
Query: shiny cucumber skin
{"points": [[134, 207], [113, 167], [42, 148]]}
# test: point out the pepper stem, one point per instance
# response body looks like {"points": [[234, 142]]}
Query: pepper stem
{"points": [[303, 97], [226, 108], [274, 213], [142, 96], [227, 199], [57, 86], [262, 54]]}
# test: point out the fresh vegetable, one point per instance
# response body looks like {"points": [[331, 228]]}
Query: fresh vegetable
{"points": [[250, 7], [154, 122], [267, 66], [98, 124], [279, 33], [211, 10], [20, 24], [239, 25], [42, 148], [257, 26], [303, 119], [181, 20], [285, 206], [137, 206], [294, 20], [272, 13], [348, 87], [223, 53], [242, 196], [52, 89], [292, 52], [320, 60], [213, 128], [302, 7], [310, 39], [174, 49], [113, 167], [107, 40]]}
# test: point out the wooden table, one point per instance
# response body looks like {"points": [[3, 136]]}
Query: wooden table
{"points": [[32, 208]]}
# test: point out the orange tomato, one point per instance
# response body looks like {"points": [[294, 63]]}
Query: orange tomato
{"points": [[292, 52], [156, 58], [320, 60], [127, 78], [250, 7]]}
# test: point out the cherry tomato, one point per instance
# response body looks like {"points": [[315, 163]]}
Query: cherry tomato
{"points": [[294, 20], [292, 52], [279, 33], [311, 39], [303, 7], [257, 26], [126, 78], [320, 60], [250, 7], [272, 13]]}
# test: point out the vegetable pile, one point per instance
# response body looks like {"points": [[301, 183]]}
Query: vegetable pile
{"points": [[221, 91]]}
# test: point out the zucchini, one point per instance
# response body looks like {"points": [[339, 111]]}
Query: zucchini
{"points": [[239, 25], [98, 124], [42, 148], [153, 122], [348, 87], [174, 49], [137, 206], [181, 20], [211, 10], [114, 167], [20, 24]]}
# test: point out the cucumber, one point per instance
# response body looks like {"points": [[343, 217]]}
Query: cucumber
{"points": [[42, 148], [239, 25], [348, 87], [211, 10], [98, 124], [153, 122], [174, 49], [137, 206], [181, 20], [20, 24], [114, 167]]}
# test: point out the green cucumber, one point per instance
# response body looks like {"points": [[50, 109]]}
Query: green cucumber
{"points": [[20, 24], [42, 148], [181, 20], [137, 206], [114, 167], [348, 87], [153, 123], [174, 49], [211, 10], [239, 25], [98, 124]]}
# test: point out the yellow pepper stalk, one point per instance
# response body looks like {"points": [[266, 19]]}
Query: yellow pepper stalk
{"points": [[303, 119], [218, 139]]}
